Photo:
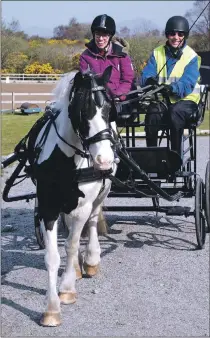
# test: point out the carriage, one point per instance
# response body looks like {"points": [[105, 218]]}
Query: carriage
{"points": [[143, 172]]}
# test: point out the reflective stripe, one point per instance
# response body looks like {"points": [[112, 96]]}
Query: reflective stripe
{"points": [[196, 90], [169, 80], [205, 67]]}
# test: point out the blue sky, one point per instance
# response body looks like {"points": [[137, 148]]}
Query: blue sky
{"points": [[42, 16]]}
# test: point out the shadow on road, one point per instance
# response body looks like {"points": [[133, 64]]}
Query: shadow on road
{"points": [[33, 315]]}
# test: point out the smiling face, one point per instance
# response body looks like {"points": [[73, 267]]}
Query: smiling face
{"points": [[176, 39], [101, 39]]}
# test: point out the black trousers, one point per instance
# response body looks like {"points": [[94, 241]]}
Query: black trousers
{"points": [[176, 116]]}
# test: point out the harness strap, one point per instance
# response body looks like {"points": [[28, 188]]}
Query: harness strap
{"points": [[90, 174], [47, 130], [102, 135], [77, 151]]}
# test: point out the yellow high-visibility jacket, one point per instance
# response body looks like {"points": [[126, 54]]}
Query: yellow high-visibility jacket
{"points": [[177, 72]]}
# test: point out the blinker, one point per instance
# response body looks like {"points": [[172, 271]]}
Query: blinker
{"points": [[98, 96]]}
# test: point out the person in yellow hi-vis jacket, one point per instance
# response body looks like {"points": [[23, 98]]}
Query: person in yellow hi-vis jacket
{"points": [[176, 65]]}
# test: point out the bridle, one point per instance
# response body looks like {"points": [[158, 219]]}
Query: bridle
{"points": [[106, 134]]}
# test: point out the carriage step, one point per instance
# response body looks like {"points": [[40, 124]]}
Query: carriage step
{"points": [[178, 211]]}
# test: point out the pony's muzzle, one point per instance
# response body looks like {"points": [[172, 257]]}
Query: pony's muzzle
{"points": [[102, 162]]}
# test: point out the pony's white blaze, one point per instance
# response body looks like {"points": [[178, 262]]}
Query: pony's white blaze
{"points": [[102, 153]]}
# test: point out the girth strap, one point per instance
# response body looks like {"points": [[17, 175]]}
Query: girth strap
{"points": [[90, 174]]}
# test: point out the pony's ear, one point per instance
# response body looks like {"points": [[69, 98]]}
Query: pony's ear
{"points": [[78, 79], [106, 74]]}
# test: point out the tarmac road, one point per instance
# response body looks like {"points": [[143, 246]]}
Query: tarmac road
{"points": [[153, 281]]}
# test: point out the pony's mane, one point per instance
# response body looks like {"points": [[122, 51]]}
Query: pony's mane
{"points": [[62, 90]]}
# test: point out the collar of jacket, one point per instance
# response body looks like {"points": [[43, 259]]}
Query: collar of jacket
{"points": [[176, 53], [114, 50]]}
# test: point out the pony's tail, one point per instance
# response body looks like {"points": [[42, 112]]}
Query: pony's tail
{"points": [[102, 225]]}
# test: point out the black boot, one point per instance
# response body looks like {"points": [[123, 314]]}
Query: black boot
{"points": [[176, 140], [152, 122], [151, 141]]}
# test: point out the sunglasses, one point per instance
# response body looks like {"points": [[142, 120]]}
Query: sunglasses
{"points": [[173, 33]]}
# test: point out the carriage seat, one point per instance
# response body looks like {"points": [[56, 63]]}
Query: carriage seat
{"points": [[198, 116]]}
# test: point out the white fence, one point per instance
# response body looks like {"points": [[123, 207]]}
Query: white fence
{"points": [[30, 77], [12, 99], [31, 97]]}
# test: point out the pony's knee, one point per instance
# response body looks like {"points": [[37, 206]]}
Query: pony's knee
{"points": [[52, 260]]}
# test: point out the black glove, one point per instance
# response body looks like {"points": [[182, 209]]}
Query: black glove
{"points": [[151, 81], [167, 89]]}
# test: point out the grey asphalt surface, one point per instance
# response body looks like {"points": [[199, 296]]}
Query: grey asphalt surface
{"points": [[153, 281]]}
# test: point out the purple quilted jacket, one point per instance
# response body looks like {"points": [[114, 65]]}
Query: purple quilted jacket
{"points": [[122, 76]]}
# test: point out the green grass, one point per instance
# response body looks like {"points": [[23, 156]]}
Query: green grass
{"points": [[14, 127], [206, 122]]}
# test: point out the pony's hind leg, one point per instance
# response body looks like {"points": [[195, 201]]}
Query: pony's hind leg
{"points": [[93, 251], [51, 316], [75, 222]]}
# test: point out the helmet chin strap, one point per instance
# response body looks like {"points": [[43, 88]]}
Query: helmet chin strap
{"points": [[176, 51]]}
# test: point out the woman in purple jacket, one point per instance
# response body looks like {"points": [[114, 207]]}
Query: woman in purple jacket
{"points": [[101, 52]]}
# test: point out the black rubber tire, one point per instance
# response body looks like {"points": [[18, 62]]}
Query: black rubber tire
{"points": [[38, 229], [207, 197], [199, 217]]}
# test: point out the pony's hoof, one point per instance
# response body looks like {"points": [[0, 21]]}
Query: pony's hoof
{"points": [[91, 270], [67, 297], [51, 319]]}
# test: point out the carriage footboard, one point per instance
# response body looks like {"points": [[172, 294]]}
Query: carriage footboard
{"points": [[134, 166]]}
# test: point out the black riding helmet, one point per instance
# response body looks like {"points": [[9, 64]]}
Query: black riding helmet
{"points": [[178, 24], [103, 23]]}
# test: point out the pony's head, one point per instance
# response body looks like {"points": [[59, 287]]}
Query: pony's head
{"points": [[89, 112]]}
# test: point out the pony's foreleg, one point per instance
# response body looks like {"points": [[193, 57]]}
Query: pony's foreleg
{"points": [[93, 251], [75, 222], [51, 316]]}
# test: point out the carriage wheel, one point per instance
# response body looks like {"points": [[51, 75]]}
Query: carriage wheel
{"points": [[38, 228], [207, 196], [199, 217]]}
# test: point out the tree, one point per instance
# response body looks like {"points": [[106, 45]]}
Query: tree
{"points": [[16, 62], [60, 32], [201, 29], [144, 28], [124, 32], [12, 41], [141, 48], [73, 31]]}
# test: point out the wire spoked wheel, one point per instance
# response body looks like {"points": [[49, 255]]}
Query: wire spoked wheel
{"points": [[38, 226], [207, 196], [199, 217]]}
